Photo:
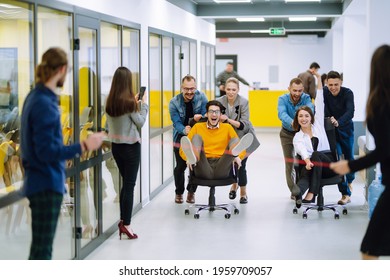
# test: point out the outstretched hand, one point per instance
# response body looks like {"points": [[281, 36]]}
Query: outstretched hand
{"points": [[341, 167], [94, 141]]}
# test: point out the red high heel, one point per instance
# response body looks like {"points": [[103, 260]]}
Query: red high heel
{"points": [[123, 230]]}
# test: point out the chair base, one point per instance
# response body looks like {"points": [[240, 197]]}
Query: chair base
{"points": [[333, 207], [211, 207]]}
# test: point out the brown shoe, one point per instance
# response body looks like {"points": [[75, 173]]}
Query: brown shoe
{"points": [[179, 198], [344, 200], [190, 197]]}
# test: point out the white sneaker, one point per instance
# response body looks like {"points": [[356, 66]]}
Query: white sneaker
{"points": [[244, 144], [186, 146]]}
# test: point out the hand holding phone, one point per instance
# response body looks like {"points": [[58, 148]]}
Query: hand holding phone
{"points": [[141, 93]]}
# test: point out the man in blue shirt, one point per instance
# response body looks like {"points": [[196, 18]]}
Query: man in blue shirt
{"points": [[43, 152], [288, 104], [340, 107], [190, 103]]}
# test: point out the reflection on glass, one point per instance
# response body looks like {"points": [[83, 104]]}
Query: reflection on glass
{"points": [[167, 79], [87, 84], [110, 182], [110, 52], [131, 54], [156, 162], [155, 82], [168, 155], [88, 203], [193, 58]]}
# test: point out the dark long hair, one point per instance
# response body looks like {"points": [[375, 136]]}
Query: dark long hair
{"points": [[121, 99], [379, 95]]}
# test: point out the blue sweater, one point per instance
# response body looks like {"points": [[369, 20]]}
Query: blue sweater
{"points": [[42, 149]]}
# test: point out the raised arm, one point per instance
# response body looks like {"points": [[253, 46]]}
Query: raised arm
{"points": [[319, 102]]}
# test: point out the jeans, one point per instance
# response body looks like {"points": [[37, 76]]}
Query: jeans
{"points": [[178, 174], [127, 158], [345, 147]]}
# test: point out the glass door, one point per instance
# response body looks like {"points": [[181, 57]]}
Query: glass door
{"points": [[88, 194]]}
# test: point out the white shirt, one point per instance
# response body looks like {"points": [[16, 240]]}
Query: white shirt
{"points": [[302, 141]]}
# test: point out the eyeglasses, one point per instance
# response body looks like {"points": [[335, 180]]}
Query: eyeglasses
{"points": [[186, 89], [211, 112]]}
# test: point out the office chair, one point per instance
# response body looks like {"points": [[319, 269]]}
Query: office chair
{"points": [[212, 183], [320, 206]]}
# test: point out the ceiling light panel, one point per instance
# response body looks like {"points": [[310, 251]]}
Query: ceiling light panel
{"points": [[232, 1], [257, 19], [302, 18]]}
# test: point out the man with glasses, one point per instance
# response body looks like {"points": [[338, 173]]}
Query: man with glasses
{"points": [[190, 103], [211, 147]]}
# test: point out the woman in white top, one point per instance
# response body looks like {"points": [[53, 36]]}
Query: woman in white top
{"points": [[312, 145]]}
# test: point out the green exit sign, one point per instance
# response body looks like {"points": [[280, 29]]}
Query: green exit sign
{"points": [[277, 31]]}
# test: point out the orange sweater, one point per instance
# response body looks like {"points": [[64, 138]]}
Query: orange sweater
{"points": [[215, 141]]}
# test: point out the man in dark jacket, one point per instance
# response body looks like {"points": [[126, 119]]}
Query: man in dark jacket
{"points": [[340, 107]]}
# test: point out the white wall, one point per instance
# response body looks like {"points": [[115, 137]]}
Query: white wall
{"points": [[291, 55]]}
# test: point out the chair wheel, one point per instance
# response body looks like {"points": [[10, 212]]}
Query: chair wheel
{"points": [[336, 216], [227, 216], [186, 212], [345, 211], [304, 216], [236, 211], [196, 216], [295, 211]]}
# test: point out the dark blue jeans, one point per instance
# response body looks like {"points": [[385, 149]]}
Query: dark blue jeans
{"points": [[127, 158], [345, 147]]}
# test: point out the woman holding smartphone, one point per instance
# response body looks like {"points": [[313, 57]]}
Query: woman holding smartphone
{"points": [[126, 114]]}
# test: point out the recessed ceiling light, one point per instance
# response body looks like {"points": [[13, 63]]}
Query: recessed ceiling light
{"points": [[232, 1], [287, 1], [302, 18], [257, 19]]}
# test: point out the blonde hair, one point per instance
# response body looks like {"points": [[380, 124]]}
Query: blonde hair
{"points": [[233, 80]]}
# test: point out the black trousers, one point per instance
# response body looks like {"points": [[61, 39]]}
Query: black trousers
{"points": [[178, 174], [311, 179], [127, 158], [242, 177], [45, 209]]}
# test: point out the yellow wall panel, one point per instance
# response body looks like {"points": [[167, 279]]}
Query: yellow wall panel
{"points": [[263, 107]]}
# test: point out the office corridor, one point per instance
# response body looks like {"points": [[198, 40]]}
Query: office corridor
{"points": [[265, 228]]}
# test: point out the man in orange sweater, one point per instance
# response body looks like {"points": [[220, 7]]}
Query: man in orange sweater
{"points": [[211, 147]]}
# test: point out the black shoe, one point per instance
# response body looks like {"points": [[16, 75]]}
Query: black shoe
{"points": [[298, 200], [232, 194], [313, 200], [244, 200]]}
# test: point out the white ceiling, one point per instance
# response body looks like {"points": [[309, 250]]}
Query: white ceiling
{"points": [[276, 13]]}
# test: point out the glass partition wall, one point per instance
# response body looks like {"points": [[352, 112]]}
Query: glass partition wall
{"points": [[90, 206], [170, 59]]}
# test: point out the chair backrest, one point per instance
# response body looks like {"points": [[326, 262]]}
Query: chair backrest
{"points": [[331, 134]]}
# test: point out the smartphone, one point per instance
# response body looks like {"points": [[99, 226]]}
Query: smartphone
{"points": [[141, 93]]}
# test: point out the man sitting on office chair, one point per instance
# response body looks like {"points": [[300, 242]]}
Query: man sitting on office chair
{"points": [[211, 147]]}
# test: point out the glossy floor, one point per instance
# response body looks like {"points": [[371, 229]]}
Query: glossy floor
{"points": [[265, 228]]}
